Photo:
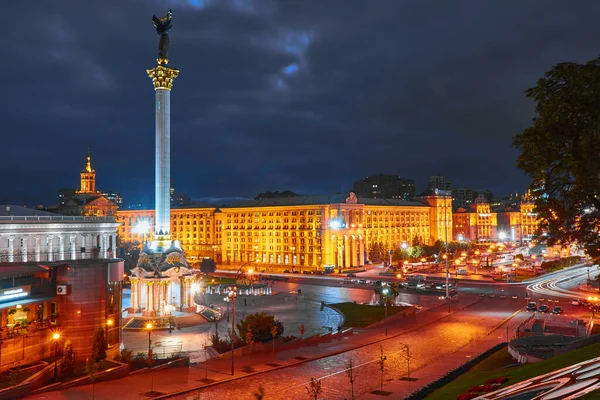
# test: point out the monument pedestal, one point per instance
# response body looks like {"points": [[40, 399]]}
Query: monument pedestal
{"points": [[150, 314]]}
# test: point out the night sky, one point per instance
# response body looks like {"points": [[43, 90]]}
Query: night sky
{"points": [[306, 95]]}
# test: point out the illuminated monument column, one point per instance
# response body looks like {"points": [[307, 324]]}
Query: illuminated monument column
{"points": [[162, 78], [162, 264]]}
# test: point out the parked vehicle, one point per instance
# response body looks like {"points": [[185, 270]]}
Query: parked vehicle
{"points": [[531, 306], [575, 302], [351, 275], [543, 308]]}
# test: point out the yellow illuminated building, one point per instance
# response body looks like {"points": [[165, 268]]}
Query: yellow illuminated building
{"points": [[522, 224], [479, 224], [305, 231]]}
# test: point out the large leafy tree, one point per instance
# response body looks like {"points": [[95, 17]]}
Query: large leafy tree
{"points": [[560, 151], [259, 325]]}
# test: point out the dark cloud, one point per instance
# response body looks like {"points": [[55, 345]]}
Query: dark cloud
{"points": [[273, 95]]}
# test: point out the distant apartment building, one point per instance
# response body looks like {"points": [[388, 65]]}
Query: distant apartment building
{"points": [[463, 197], [113, 196], [384, 186], [179, 199], [439, 182]]}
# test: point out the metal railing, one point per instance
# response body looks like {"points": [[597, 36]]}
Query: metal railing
{"points": [[159, 352]]}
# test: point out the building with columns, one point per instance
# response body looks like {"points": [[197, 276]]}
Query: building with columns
{"points": [[28, 234], [86, 201], [306, 231], [519, 225], [477, 223]]}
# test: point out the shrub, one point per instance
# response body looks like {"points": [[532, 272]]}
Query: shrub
{"points": [[126, 356], [99, 345], [259, 324]]}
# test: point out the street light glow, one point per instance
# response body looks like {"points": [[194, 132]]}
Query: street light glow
{"points": [[56, 336], [149, 325], [142, 226]]}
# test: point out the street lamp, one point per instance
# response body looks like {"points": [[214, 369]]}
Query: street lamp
{"points": [[149, 328], [142, 227], [231, 295], [385, 291], [55, 337]]}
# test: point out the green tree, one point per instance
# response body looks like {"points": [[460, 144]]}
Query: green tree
{"points": [[381, 364], [129, 252], [351, 375], [415, 251], [207, 266], [259, 324], [393, 290], [99, 346], [260, 393], [560, 153], [314, 388], [66, 368]]}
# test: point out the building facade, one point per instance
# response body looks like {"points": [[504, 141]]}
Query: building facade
{"points": [[58, 274], [304, 231], [86, 201], [34, 235], [476, 224], [385, 187], [519, 225]]}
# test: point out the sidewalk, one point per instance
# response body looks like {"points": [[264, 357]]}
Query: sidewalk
{"points": [[168, 382], [402, 388]]}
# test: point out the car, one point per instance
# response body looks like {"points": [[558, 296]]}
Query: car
{"points": [[362, 281], [584, 303], [514, 297], [557, 310], [575, 302], [595, 308], [481, 294], [543, 308], [556, 300], [541, 299], [531, 306], [351, 275], [287, 271], [491, 295], [502, 296]]}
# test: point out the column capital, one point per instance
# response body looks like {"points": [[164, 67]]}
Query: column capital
{"points": [[162, 77]]}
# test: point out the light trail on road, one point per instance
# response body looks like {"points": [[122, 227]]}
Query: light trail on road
{"points": [[550, 286]]}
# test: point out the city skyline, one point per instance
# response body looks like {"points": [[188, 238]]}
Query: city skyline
{"points": [[273, 96]]}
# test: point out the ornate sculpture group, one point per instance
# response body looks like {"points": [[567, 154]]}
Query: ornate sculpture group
{"points": [[162, 26]]}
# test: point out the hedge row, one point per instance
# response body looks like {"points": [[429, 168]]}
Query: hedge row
{"points": [[450, 376]]}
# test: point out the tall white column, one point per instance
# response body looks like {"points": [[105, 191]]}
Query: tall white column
{"points": [[354, 250], [361, 251], [61, 247], [163, 159], [11, 249], [104, 245], [50, 248], [347, 249], [114, 246], [73, 246], [37, 248], [134, 293], [24, 249], [150, 288]]}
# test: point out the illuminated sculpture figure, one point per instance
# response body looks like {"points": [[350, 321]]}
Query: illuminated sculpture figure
{"points": [[162, 26]]}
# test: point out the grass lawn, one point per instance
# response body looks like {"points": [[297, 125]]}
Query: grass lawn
{"points": [[494, 367], [361, 315], [219, 280]]}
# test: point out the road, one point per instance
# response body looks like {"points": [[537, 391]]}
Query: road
{"points": [[427, 344]]}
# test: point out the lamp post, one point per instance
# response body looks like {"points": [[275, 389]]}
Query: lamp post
{"points": [[385, 291], [446, 250], [232, 294], [55, 337], [149, 328]]}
